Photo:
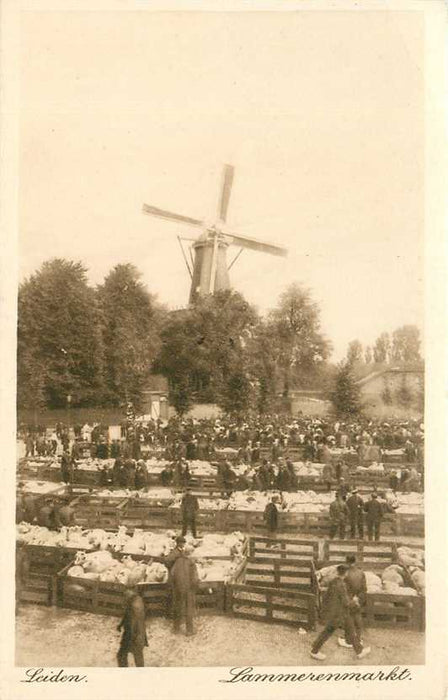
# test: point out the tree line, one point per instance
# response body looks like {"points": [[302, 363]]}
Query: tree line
{"points": [[98, 346]]}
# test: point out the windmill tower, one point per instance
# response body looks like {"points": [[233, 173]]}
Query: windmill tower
{"points": [[210, 272]]}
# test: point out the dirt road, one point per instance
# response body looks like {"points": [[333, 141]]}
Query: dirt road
{"points": [[57, 638]]}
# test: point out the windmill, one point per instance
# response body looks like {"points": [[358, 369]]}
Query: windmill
{"points": [[210, 272]]}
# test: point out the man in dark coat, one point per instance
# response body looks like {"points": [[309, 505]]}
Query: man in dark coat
{"points": [[228, 478], [184, 580], [29, 446], [394, 481], [175, 553], [64, 515], [255, 453], [338, 517], [356, 584], [133, 639], [141, 475], [374, 515], [76, 451], [129, 469], [188, 509], [343, 489], [337, 604], [328, 475], [66, 467], [117, 469], [355, 507], [166, 475], [29, 507], [46, 515], [271, 517]]}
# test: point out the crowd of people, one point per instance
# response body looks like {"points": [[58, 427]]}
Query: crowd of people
{"points": [[200, 439]]}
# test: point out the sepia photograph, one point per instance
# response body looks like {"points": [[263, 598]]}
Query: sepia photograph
{"points": [[220, 343]]}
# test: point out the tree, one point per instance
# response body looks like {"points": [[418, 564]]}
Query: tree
{"points": [[130, 321], [59, 350], [381, 349], [406, 345], [346, 393], [368, 357], [298, 347], [354, 352], [203, 350]]}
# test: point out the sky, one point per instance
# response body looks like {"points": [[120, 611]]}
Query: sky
{"points": [[321, 114]]}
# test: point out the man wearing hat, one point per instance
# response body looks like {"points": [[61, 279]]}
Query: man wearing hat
{"points": [[134, 637], [337, 605], [189, 507], [270, 516], [175, 553], [374, 515], [355, 507], [183, 579]]}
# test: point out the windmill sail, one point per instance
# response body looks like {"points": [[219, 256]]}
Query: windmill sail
{"points": [[255, 244], [170, 216], [225, 192]]}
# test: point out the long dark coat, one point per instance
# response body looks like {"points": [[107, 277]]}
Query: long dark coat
{"points": [[133, 624], [336, 603], [184, 580]]}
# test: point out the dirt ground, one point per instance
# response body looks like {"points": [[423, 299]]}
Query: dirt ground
{"points": [[57, 638]]}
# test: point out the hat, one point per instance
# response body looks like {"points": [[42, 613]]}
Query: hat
{"points": [[180, 540]]}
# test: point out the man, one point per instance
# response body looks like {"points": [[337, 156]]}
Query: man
{"points": [[404, 481], [76, 451], [29, 507], [188, 509], [228, 478], [343, 489], [134, 637], [338, 517], [414, 479], [394, 481], [270, 517], [64, 515], [46, 515], [327, 475], [141, 475], [117, 472], [129, 470], [175, 553], [29, 446], [66, 467], [166, 475], [336, 612], [255, 456], [184, 580], [355, 507], [356, 584], [374, 515]]}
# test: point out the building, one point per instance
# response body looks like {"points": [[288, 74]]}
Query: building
{"points": [[155, 398], [386, 388]]}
